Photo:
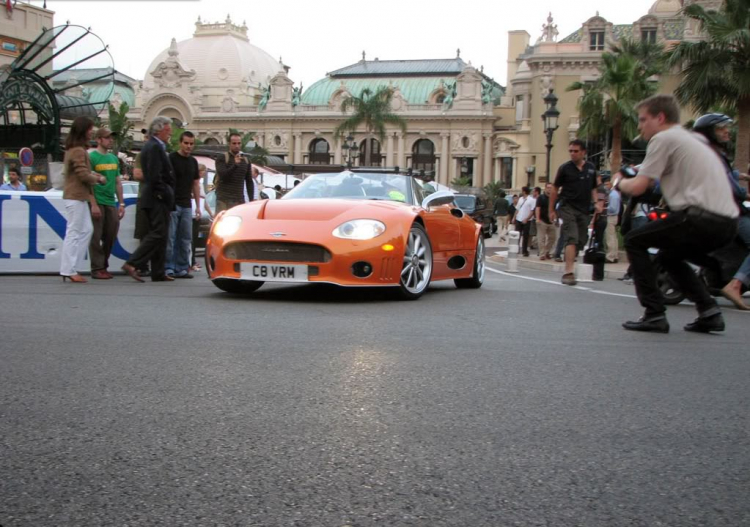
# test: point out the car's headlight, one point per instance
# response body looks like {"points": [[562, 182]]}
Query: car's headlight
{"points": [[228, 225], [359, 230]]}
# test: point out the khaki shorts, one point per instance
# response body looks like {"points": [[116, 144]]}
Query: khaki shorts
{"points": [[575, 227]]}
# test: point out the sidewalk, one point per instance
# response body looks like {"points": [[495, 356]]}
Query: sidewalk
{"points": [[497, 252]]}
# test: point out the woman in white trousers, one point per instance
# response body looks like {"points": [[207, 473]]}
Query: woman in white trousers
{"points": [[77, 195]]}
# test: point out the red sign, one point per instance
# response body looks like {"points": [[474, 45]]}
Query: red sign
{"points": [[26, 156]]}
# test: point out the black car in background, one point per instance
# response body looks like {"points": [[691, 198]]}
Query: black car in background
{"points": [[475, 203]]}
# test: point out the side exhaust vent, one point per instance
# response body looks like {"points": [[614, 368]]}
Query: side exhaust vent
{"points": [[457, 262]]}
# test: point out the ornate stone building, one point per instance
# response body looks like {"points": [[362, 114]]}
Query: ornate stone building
{"points": [[549, 64], [217, 80], [460, 122]]}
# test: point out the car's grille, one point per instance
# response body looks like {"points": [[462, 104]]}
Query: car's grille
{"points": [[277, 252]]}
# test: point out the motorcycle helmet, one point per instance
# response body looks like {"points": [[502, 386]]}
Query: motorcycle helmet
{"points": [[706, 125]]}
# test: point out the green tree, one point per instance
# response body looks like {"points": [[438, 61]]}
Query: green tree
{"points": [[374, 111], [609, 102], [119, 124], [493, 190], [716, 71], [461, 182]]}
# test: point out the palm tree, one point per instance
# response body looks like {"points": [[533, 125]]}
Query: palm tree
{"points": [[374, 111], [716, 71], [119, 124], [609, 102]]}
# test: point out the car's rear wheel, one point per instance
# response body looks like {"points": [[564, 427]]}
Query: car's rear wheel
{"points": [[238, 287], [477, 276], [416, 271]]}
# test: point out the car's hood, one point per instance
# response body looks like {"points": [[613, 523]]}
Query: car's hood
{"points": [[327, 209]]}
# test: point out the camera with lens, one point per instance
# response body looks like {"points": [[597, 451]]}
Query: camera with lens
{"points": [[627, 171]]}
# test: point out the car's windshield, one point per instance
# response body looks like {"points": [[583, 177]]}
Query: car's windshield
{"points": [[349, 185], [466, 202]]}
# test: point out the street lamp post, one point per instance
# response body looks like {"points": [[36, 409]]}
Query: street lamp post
{"points": [[550, 118], [351, 150]]}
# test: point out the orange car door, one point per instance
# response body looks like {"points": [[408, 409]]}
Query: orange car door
{"points": [[443, 228]]}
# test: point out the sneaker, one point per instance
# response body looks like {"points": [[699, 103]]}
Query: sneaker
{"points": [[654, 324], [184, 274], [559, 259], [706, 324], [569, 279]]}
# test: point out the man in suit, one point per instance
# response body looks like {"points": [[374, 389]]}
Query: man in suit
{"points": [[157, 199]]}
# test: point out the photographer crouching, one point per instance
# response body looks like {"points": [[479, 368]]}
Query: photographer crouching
{"points": [[703, 215]]}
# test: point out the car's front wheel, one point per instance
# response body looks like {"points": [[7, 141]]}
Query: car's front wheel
{"points": [[238, 287], [477, 276], [416, 271]]}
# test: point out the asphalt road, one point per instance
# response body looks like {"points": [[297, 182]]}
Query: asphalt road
{"points": [[521, 404]]}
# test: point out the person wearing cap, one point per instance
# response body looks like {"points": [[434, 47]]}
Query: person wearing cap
{"points": [[107, 204]]}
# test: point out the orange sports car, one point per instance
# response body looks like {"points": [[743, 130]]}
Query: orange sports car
{"points": [[363, 229]]}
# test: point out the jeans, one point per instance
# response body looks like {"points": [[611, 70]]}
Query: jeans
{"points": [[743, 231], [180, 239], [687, 235]]}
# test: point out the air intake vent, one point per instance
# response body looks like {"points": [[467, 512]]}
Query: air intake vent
{"points": [[277, 252]]}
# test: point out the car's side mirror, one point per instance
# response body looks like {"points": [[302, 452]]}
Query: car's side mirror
{"points": [[441, 197]]}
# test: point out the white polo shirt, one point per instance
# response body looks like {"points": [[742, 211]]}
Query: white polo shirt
{"points": [[525, 208], [690, 172]]}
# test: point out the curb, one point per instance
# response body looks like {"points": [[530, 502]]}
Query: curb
{"points": [[555, 267]]}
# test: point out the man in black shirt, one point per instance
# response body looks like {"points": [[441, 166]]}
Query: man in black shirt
{"points": [[502, 207], [233, 172], [187, 186], [577, 178], [546, 232]]}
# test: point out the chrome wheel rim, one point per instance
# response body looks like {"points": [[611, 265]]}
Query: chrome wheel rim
{"points": [[417, 268], [480, 260]]}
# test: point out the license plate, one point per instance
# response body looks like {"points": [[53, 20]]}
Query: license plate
{"points": [[273, 273]]}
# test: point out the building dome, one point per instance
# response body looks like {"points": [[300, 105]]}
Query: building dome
{"points": [[218, 54], [665, 8]]}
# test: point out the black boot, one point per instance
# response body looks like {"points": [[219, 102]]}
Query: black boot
{"points": [[706, 324], [653, 323]]}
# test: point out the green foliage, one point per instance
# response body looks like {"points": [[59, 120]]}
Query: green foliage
{"points": [[493, 190], [374, 111], [461, 182], [716, 71], [609, 102], [119, 124]]}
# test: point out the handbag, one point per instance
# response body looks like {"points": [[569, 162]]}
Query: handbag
{"points": [[596, 257]]}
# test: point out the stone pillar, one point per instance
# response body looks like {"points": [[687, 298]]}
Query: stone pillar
{"points": [[444, 160], [454, 161], [298, 148], [389, 151], [487, 158], [496, 170], [401, 151], [478, 180], [337, 151]]}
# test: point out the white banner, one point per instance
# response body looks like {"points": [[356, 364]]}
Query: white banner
{"points": [[32, 229]]}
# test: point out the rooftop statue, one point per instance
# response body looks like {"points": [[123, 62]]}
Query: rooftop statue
{"points": [[549, 31]]}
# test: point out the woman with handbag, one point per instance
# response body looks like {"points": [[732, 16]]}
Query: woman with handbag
{"points": [[77, 195]]}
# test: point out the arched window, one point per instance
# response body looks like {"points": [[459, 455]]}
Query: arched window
{"points": [[376, 159], [320, 152], [423, 155], [211, 141]]}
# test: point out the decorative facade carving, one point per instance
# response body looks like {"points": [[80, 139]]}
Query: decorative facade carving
{"points": [[465, 141], [170, 73]]}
